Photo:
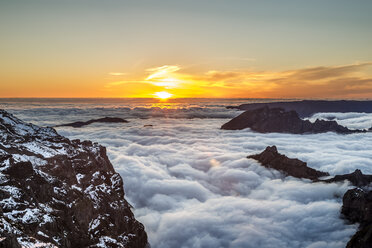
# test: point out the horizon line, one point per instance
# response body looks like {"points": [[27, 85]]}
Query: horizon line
{"points": [[236, 98]]}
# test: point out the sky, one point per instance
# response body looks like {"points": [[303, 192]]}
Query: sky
{"points": [[194, 48]]}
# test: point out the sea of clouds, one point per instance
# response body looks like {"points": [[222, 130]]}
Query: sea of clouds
{"points": [[191, 184], [351, 120]]}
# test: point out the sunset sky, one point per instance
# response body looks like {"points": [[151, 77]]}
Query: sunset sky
{"points": [[193, 48]]}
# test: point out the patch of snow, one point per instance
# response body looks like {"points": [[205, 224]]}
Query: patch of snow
{"points": [[39, 148], [96, 175], [60, 191], [105, 239], [115, 180], [25, 158], [77, 188], [13, 191], [94, 224], [8, 203], [79, 177], [42, 234]]}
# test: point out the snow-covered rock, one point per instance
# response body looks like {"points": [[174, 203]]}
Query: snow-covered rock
{"points": [[55, 192]]}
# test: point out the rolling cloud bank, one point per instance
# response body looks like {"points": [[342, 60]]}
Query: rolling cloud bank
{"points": [[191, 184]]}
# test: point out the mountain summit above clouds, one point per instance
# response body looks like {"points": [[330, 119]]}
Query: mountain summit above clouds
{"points": [[307, 108], [277, 120], [56, 192]]}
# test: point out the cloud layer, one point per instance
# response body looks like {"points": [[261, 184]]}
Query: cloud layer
{"points": [[192, 185]]}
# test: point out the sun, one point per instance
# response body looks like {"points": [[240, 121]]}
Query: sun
{"points": [[163, 95]]}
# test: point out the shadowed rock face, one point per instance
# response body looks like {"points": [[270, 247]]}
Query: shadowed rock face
{"points": [[277, 120], [306, 108], [357, 207], [58, 192], [102, 120], [270, 158]]}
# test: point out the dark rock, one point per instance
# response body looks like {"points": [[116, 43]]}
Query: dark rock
{"points": [[270, 158], [307, 108], [266, 120], [357, 207], [357, 178], [9, 241], [54, 191], [102, 120], [362, 238], [232, 107]]}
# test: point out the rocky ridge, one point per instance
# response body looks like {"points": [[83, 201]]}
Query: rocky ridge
{"points": [[306, 108], [277, 120], [78, 124], [271, 158], [56, 192]]}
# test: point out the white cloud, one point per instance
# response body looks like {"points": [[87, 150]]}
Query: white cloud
{"points": [[352, 120], [185, 200]]}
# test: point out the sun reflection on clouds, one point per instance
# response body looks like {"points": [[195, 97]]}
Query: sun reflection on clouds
{"points": [[214, 162]]}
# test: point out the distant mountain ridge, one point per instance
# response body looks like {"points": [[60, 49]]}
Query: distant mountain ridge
{"points": [[306, 108], [277, 120], [78, 124]]}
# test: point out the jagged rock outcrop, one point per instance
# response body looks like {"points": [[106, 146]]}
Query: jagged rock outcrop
{"points": [[102, 120], [55, 192], [357, 178], [277, 120], [271, 158], [357, 207], [307, 108]]}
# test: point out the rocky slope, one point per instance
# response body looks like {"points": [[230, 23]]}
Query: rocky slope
{"points": [[267, 120], [306, 108], [55, 192]]}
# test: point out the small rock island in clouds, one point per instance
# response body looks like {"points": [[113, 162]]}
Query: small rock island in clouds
{"points": [[187, 124]]}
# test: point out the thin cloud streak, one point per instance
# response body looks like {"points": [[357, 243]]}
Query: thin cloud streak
{"points": [[351, 81]]}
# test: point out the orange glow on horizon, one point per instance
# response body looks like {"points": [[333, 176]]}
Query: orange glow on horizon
{"points": [[170, 81]]}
